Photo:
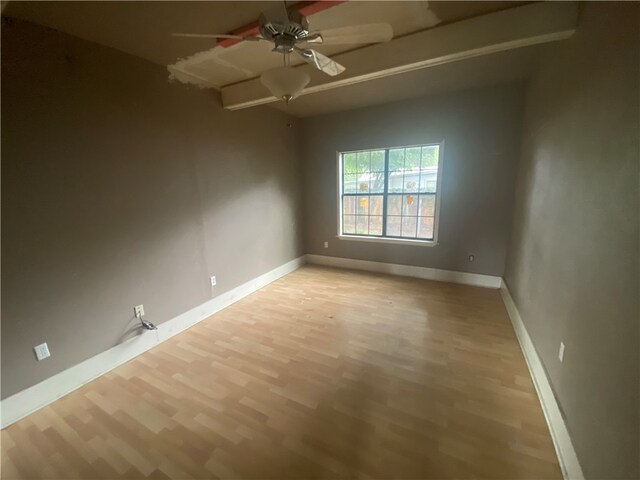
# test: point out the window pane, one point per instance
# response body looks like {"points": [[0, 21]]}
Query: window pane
{"points": [[363, 184], [395, 182], [396, 159], [362, 225], [429, 180], [377, 161], [349, 205], [363, 162], [427, 205], [410, 205], [394, 205], [349, 163], [412, 158], [377, 182], [411, 180], [362, 205], [393, 226], [430, 156], [349, 224], [409, 225], [425, 227], [375, 225], [350, 181], [375, 205]]}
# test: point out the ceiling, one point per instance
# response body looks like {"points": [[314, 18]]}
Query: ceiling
{"points": [[140, 28], [509, 66], [144, 29], [222, 66]]}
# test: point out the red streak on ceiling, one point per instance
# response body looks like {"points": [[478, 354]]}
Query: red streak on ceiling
{"points": [[305, 8]]}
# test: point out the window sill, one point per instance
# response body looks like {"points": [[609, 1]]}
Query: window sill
{"points": [[397, 241]]}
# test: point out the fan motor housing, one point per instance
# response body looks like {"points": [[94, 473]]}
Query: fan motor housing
{"points": [[285, 35]]}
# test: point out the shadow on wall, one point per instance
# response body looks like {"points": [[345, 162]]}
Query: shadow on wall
{"points": [[118, 189]]}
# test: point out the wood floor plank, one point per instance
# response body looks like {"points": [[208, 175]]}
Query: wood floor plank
{"points": [[325, 373]]}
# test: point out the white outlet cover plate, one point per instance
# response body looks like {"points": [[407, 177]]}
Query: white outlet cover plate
{"points": [[213, 281], [561, 352], [138, 311], [42, 351]]}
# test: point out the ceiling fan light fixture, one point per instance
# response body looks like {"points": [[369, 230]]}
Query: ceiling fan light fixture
{"points": [[285, 83]]}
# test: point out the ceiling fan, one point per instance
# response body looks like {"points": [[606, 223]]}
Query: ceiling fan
{"points": [[288, 30]]}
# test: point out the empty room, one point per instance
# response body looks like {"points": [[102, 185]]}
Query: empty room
{"points": [[320, 239]]}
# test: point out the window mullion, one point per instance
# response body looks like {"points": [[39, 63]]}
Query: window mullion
{"points": [[342, 193], [385, 192]]}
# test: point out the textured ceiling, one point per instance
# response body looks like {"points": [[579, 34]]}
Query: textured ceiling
{"points": [[140, 28], [509, 66], [220, 66], [143, 29]]}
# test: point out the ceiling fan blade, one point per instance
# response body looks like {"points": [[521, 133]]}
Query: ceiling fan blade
{"points": [[278, 15], [207, 35], [320, 61], [368, 33]]}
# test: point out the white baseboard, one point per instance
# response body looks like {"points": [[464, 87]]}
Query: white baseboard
{"points": [[23, 403], [567, 457], [476, 279]]}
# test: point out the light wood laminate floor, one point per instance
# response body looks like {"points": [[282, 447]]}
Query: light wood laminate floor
{"points": [[324, 373]]}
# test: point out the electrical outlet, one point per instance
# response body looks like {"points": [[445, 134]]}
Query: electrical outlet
{"points": [[42, 351], [326, 244], [213, 281], [472, 257], [561, 352], [138, 311]]}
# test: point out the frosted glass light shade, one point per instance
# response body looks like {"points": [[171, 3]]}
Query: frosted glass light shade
{"points": [[285, 82]]}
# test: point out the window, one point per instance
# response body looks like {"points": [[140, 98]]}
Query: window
{"points": [[390, 194]]}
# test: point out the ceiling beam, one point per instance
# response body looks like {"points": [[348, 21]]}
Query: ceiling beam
{"points": [[495, 32]]}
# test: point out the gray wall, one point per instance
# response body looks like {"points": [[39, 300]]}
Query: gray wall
{"points": [[573, 262], [119, 188], [481, 129]]}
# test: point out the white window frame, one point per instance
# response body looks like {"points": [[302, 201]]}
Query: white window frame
{"points": [[393, 240]]}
